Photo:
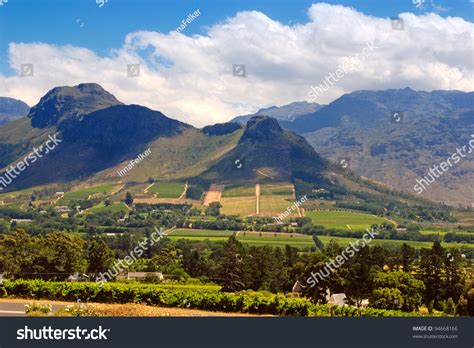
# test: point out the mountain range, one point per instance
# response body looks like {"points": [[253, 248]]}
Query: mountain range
{"points": [[300, 141]]}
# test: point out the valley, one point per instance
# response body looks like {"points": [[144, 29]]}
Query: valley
{"points": [[250, 210]]}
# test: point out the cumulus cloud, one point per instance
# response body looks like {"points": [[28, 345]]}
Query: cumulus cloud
{"points": [[190, 77]]}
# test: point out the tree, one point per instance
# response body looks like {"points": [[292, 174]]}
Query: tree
{"points": [[431, 269], [409, 292], [213, 209], [317, 241], [407, 256], [99, 257], [231, 269], [128, 198]]}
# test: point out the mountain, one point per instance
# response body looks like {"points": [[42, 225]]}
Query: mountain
{"points": [[359, 127], [63, 103], [100, 135], [11, 109], [98, 139], [267, 152], [102, 139], [287, 113]]}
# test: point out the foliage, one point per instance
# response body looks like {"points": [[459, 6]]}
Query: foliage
{"points": [[246, 302]]}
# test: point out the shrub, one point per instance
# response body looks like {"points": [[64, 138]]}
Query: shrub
{"points": [[185, 297]]}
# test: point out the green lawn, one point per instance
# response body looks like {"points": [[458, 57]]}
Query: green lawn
{"points": [[343, 219], [85, 193], [167, 189]]}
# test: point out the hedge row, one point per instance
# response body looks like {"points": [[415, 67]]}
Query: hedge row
{"points": [[245, 302]]}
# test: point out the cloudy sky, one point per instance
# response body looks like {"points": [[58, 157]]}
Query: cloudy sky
{"points": [[286, 49]]}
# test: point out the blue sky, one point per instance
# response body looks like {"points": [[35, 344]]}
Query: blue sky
{"points": [[84, 23], [287, 47]]}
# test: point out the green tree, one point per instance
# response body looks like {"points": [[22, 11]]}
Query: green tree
{"points": [[128, 198], [410, 290], [99, 257], [213, 209], [407, 256], [431, 269], [231, 269]]}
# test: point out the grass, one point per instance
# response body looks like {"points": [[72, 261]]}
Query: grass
{"points": [[238, 205], [85, 193], [343, 219], [167, 189]]}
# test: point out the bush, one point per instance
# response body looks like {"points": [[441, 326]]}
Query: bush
{"points": [[150, 294]]}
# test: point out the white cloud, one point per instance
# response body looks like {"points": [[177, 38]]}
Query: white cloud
{"points": [[190, 78]]}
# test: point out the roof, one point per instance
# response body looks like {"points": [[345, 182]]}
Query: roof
{"points": [[337, 299]]}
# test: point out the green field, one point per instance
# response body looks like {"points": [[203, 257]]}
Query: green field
{"points": [[101, 207], [276, 239], [277, 190], [183, 232], [250, 238], [343, 241], [85, 193], [167, 189], [276, 205], [238, 205], [343, 219], [240, 191]]}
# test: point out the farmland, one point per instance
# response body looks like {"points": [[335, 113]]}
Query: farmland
{"points": [[390, 243], [113, 208], [345, 220], [238, 205], [246, 237], [85, 193], [167, 189]]}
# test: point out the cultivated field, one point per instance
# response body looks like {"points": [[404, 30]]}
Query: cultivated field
{"points": [[167, 189], [101, 207], [239, 205], [343, 241], [345, 220], [252, 238], [214, 194], [276, 205], [85, 193]]}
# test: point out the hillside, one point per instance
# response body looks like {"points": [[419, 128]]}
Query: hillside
{"points": [[12, 109], [358, 128]]}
